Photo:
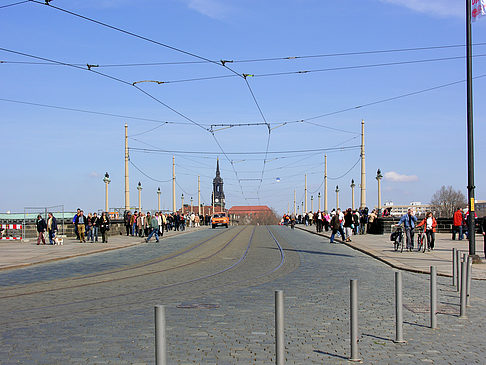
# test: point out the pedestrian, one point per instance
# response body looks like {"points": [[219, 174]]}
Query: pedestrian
{"points": [[154, 227], [104, 227], [197, 219], [457, 222], [74, 223], [41, 229], [96, 226], [51, 227], [336, 226], [146, 224], [133, 223], [128, 222], [409, 220], [483, 231], [140, 224], [89, 228], [355, 222], [430, 224], [348, 224], [81, 224]]}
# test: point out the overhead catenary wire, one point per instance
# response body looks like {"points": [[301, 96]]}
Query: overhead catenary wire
{"points": [[146, 175], [13, 4]]}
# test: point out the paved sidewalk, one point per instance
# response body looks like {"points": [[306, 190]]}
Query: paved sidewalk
{"points": [[16, 254], [381, 248]]}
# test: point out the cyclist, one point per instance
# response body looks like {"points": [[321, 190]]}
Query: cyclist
{"points": [[430, 228]]}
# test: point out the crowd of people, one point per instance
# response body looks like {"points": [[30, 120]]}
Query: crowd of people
{"points": [[348, 223], [148, 225]]}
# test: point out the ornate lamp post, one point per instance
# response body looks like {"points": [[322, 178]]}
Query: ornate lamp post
{"points": [[139, 188], [379, 176], [312, 203], [352, 193], [337, 196], [302, 208], [191, 205], [106, 180], [319, 200], [158, 198], [182, 199]]}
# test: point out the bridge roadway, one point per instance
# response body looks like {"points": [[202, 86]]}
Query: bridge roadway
{"points": [[218, 288]]}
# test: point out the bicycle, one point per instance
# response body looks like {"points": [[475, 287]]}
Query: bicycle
{"points": [[421, 241]]}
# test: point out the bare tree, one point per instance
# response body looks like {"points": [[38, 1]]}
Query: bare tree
{"points": [[447, 200]]}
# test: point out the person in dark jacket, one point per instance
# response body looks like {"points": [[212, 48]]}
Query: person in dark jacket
{"points": [[104, 227], [348, 224], [41, 228], [336, 226], [127, 221], [51, 227], [483, 231]]}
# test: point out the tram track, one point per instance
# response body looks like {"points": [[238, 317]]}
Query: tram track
{"points": [[35, 313]]}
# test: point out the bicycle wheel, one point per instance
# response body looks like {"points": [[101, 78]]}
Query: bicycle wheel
{"points": [[419, 242], [401, 242], [396, 244], [424, 242]]}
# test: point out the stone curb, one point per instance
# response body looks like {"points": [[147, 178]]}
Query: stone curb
{"points": [[390, 262]]}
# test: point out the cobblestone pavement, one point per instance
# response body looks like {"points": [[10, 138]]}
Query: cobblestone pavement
{"points": [[89, 325], [380, 247]]}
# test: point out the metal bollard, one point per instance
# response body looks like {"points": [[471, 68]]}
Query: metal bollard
{"points": [[458, 269], [354, 320], [398, 307], [463, 289], [454, 270], [279, 328], [469, 279], [433, 297], [160, 346]]}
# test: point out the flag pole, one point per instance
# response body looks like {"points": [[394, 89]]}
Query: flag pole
{"points": [[470, 138]]}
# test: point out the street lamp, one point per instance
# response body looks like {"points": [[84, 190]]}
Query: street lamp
{"points": [[158, 198], [352, 193], [312, 201], [139, 188], [337, 196], [191, 205], [379, 176], [106, 180], [319, 200], [182, 199], [302, 208]]}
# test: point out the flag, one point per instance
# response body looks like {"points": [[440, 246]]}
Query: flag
{"points": [[478, 9]]}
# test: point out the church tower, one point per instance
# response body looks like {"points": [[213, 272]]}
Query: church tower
{"points": [[218, 192]]}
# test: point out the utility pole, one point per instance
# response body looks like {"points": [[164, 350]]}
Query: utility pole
{"points": [[363, 171], [198, 195], [325, 183], [173, 185], [295, 211], [127, 183], [352, 193], [305, 204], [470, 138]]}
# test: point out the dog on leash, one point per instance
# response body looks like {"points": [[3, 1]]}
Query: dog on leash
{"points": [[58, 241]]}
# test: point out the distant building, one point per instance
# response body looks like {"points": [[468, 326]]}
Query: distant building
{"points": [[249, 214]]}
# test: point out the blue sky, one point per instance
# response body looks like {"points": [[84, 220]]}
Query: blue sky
{"points": [[53, 156]]}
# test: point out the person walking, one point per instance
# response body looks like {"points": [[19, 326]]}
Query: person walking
{"points": [[197, 220], [89, 228], [409, 220], [154, 228], [51, 227], [348, 224], [41, 229], [74, 223], [430, 224], [96, 226], [80, 222], [133, 223], [483, 231], [140, 223], [104, 227], [457, 222], [336, 226], [128, 222]]}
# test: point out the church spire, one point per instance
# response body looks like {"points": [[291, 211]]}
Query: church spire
{"points": [[218, 174]]}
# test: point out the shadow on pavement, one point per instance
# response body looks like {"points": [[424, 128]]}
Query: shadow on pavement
{"points": [[329, 354], [311, 252], [377, 337]]}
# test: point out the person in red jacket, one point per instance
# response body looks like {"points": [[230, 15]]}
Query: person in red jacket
{"points": [[430, 224], [457, 223]]}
